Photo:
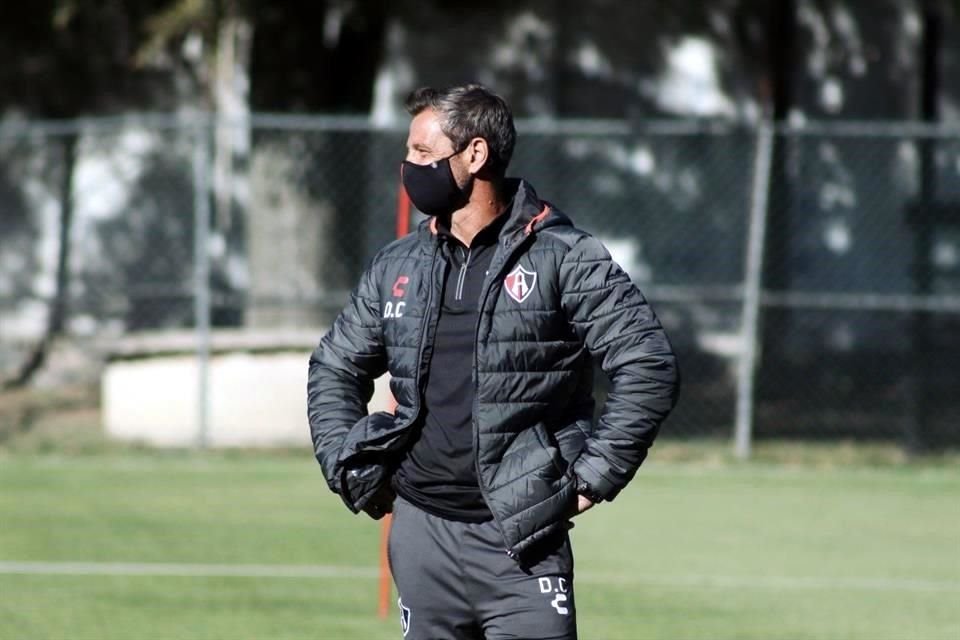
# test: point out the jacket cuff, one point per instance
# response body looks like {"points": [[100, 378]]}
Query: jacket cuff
{"points": [[600, 484]]}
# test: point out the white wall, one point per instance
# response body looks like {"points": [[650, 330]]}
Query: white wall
{"points": [[256, 399]]}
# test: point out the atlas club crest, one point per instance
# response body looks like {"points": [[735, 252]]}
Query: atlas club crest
{"points": [[520, 283]]}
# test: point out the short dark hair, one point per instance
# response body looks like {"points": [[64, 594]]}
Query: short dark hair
{"points": [[467, 112]]}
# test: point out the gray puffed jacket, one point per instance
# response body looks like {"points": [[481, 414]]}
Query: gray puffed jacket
{"points": [[553, 301]]}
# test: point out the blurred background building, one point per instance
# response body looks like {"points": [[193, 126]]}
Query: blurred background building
{"points": [[199, 178]]}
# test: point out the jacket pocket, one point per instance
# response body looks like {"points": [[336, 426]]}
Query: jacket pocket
{"points": [[571, 440], [552, 448]]}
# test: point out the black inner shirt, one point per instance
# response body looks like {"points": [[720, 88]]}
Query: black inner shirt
{"points": [[439, 473]]}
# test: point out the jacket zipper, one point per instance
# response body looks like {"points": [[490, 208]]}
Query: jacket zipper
{"points": [[461, 278], [427, 316], [476, 381]]}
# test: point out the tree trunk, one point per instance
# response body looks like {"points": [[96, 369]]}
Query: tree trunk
{"points": [[56, 318], [231, 98], [916, 423], [781, 30]]}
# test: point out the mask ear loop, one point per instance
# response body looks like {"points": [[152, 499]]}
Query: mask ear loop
{"points": [[457, 152]]}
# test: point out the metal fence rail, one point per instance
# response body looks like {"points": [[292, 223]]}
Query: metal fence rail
{"points": [[808, 273]]}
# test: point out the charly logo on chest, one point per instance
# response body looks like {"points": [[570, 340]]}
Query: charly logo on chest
{"points": [[394, 308]]}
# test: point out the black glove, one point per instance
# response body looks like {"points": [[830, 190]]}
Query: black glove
{"points": [[381, 502]]}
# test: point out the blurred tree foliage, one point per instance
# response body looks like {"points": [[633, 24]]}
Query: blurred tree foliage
{"points": [[592, 58], [65, 58], [71, 58]]}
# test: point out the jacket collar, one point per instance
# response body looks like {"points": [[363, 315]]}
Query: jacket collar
{"points": [[527, 213], [486, 237]]}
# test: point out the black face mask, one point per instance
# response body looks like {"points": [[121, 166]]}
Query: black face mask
{"points": [[432, 187]]}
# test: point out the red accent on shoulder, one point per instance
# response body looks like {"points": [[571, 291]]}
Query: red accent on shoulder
{"points": [[537, 218]]}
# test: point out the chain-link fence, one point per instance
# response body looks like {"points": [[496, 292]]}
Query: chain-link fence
{"points": [[809, 276]]}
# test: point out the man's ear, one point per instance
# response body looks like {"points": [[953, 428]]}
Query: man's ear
{"points": [[478, 153]]}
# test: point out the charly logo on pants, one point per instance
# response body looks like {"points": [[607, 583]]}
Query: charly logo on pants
{"points": [[559, 593], [404, 616]]}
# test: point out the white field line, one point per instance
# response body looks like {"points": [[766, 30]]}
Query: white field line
{"points": [[186, 570], [370, 573], [777, 582]]}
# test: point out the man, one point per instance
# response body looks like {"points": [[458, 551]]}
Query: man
{"points": [[488, 318]]}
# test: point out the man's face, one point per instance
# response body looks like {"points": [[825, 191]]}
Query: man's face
{"points": [[427, 143]]}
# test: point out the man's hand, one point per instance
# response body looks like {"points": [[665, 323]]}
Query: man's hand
{"points": [[586, 496], [583, 504], [381, 503]]}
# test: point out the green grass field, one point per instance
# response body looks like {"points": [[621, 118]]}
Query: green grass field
{"points": [[697, 547]]}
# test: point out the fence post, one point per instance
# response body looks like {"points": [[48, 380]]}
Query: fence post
{"points": [[201, 275], [752, 282]]}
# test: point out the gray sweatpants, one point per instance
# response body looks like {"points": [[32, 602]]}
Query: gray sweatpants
{"points": [[456, 581]]}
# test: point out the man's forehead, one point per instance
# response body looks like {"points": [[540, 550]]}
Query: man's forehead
{"points": [[425, 131]]}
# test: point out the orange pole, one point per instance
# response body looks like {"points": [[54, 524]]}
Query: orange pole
{"points": [[403, 213], [386, 580]]}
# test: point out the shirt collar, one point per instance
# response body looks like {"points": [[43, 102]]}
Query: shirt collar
{"points": [[486, 237]]}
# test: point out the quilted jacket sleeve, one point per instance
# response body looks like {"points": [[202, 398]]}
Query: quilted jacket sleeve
{"points": [[342, 370], [612, 318]]}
